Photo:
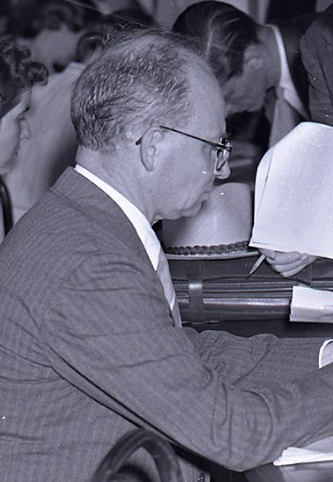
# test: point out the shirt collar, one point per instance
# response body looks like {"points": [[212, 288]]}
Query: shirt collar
{"points": [[136, 217], [286, 83]]}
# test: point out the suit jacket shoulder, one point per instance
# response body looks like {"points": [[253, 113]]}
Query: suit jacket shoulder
{"points": [[317, 51]]}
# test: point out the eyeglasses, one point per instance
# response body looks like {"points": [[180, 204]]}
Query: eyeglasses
{"points": [[223, 148]]}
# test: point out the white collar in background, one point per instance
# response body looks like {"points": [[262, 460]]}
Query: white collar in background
{"points": [[138, 219], [286, 82]]}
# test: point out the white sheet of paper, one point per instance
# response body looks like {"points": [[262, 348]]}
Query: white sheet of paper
{"points": [[294, 455], [311, 305], [294, 193], [321, 451]]}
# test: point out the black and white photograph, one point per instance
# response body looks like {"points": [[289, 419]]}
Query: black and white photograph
{"points": [[166, 241]]}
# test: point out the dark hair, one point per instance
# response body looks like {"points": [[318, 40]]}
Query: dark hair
{"points": [[121, 20], [134, 18], [222, 34], [33, 16], [141, 79], [18, 73]]}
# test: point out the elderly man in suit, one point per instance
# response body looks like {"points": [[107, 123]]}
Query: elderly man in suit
{"points": [[257, 65], [91, 343]]}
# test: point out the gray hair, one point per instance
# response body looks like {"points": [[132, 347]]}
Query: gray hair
{"points": [[141, 79]]}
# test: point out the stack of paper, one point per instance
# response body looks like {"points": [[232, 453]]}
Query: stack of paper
{"points": [[294, 207], [321, 451], [294, 193], [310, 305]]}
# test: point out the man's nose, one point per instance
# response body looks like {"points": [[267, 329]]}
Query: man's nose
{"points": [[224, 172], [25, 130]]}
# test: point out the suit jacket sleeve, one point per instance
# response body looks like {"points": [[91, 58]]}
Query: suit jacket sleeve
{"points": [[317, 55], [121, 349]]}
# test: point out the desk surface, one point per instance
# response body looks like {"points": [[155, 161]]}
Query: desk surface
{"points": [[310, 472]]}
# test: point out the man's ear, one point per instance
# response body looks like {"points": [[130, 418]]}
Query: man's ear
{"points": [[150, 147], [252, 58]]}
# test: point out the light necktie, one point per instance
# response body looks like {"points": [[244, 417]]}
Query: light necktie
{"points": [[169, 291]]}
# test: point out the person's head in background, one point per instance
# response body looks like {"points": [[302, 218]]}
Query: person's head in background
{"points": [[92, 42], [240, 52], [51, 29], [18, 73]]}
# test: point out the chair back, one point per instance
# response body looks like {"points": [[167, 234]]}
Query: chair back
{"points": [[6, 207], [161, 451]]}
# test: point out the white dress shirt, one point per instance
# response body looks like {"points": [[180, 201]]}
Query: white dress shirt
{"points": [[288, 109], [286, 83]]}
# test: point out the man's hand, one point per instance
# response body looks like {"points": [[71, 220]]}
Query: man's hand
{"points": [[287, 264]]}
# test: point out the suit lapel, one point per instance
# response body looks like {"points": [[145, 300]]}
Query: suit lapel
{"points": [[106, 215]]}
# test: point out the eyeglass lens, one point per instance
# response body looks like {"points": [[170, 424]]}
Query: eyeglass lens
{"points": [[222, 155]]}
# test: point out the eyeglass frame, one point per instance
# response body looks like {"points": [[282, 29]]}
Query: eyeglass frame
{"points": [[223, 147]]}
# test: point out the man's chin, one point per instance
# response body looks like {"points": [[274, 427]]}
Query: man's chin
{"points": [[193, 210], [188, 211], [7, 167]]}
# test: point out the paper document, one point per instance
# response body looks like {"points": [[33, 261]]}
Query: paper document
{"points": [[294, 193], [311, 305], [321, 451]]}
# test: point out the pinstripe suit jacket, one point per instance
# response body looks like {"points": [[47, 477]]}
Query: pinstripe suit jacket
{"points": [[88, 350]]}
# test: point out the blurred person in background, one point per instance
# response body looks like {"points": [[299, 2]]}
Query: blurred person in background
{"points": [[317, 51], [258, 66], [52, 145], [18, 74], [51, 29]]}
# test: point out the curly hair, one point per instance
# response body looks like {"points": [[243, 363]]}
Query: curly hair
{"points": [[18, 73], [222, 33]]}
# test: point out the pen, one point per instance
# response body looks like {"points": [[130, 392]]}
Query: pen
{"points": [[257, 264]]}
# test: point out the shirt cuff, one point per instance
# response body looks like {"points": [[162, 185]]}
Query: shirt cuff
{"points": [[326, 353]]}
